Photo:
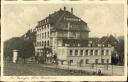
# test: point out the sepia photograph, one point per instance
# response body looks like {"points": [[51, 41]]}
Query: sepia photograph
{"points": [[65, 39]]}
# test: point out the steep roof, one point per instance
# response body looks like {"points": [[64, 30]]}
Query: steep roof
{"points": [[109, 40], [104, 40], [62, 18]]}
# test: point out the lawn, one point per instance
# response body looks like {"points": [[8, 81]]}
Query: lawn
{"points": [[33, 69]]}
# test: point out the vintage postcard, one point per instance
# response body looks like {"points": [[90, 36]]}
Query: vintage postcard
{"points": [[64, 41]]}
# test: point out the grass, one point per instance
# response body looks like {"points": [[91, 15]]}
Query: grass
{"points": [[11, 69]]}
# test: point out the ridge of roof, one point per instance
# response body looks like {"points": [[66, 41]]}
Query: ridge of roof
{"points": [[60, 15]]}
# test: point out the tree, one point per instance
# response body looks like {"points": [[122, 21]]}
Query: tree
{"points": [[120, 50], [114, 58], [10, 45], [30, 35], [27, 50], [25, 47]]}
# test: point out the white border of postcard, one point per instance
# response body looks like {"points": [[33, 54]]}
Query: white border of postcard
{"points": [[65, 78]]}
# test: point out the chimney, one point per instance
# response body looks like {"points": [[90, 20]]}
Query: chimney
{"points": [[72, 10], [64, 8]]}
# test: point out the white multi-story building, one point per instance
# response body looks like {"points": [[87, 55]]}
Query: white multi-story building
{"points": [[67, 36]]}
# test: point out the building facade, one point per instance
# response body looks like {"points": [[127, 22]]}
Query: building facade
{"points": [[67, 36], [86, 55]]}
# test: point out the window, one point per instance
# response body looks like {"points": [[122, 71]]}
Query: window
{"points": [[81, 52], [40, 28], [71, 53], [71, 61], [45, 20], [102, 52], [87, 61], [96, 61], [91, 53], [102, 61], [42, 43], [86, 52], [107, 60], [44, 27], [76, 52], [39, 43], [48, 34], [96, 52], [47, 43], [107, 52]]}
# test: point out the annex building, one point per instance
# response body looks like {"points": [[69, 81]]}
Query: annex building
{"points": [[68, 37]]}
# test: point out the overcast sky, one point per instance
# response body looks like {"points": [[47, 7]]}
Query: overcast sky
{"points": [[102, 19]]}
